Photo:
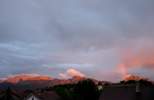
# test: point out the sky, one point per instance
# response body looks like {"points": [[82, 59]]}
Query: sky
{"points": [[101, 39]]}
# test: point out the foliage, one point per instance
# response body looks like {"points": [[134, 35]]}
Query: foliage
{"points": [[83, 90], [65, 91], [86, 90]]}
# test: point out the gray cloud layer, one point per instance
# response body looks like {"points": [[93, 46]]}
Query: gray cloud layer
{"points": [[45, 36]]}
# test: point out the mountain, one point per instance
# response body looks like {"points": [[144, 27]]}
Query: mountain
{"points": [[134, 77], [25, 77], [25, 81]]}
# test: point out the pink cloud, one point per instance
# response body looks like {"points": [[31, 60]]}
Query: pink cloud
{"points": [[71, 73]]}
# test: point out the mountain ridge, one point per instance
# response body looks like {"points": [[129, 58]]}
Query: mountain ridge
{"points": [[36, 81]]}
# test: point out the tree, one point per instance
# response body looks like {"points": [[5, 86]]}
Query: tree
{"points": [[64, 93], [86, 90]]}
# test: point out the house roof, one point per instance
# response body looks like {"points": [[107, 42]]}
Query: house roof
{"points": [[49, 96], [127, 92]]}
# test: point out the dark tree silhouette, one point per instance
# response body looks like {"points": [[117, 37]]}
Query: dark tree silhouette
{"points": [[7, 95], [86, 90]]}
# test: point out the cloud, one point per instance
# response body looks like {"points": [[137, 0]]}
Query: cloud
{"points": [[138, 55], [71, 73], [55, 33], [63, 75]]}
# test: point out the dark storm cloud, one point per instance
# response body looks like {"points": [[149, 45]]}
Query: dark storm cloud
{"points": [[34, 33]]}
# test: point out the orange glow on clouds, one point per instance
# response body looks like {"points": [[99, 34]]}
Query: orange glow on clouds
{"points": [[136, 57], [71, 73], [122, 69]]}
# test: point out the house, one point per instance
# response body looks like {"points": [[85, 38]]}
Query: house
{"points": [[128, 92], [47, 95], [32, 97]]}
